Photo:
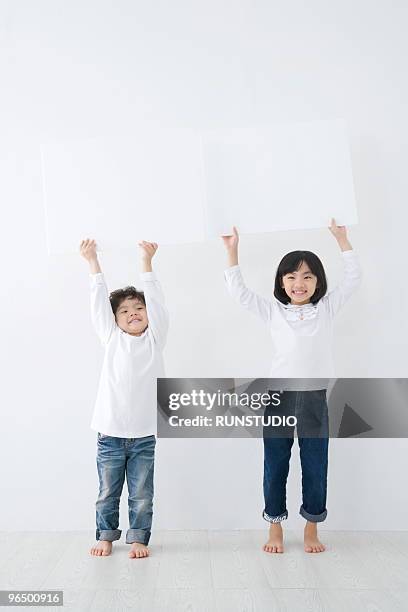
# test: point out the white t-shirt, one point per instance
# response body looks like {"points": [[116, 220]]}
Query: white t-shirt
{"points": [[126, 402], [301, 335]]}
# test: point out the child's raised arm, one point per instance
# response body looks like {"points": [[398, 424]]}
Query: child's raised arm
{"points": [[87, 248], [352, 271], [155, 305], [250, 300], [231, 244], [340, 234], [103, 319]]}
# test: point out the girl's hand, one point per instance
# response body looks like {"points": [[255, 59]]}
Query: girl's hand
{"points": [[148, 250], [87, 249], [231, 241], [338, 231], [340, 234], [231, 244]]}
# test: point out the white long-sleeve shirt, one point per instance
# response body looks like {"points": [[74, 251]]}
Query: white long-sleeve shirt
{"points": [[301, 335], [126, 402]]}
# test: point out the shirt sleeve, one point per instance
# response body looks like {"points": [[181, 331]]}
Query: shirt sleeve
{"points": [[156, 309], [102, 317], [336, 298], [250, 300]]}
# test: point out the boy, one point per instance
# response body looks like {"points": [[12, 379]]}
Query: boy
{"points": [[132, 326]]}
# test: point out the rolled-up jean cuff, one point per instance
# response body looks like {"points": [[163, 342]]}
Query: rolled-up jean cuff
{"points": [[313, 518], [138, 535], [109, 535], [275, 519]]}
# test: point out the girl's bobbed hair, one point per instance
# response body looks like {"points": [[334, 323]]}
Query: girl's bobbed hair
{"points": [[292, 262]]}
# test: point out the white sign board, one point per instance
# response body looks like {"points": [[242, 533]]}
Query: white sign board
{"points": [[281, 177], [178, 186], [122, 190]]}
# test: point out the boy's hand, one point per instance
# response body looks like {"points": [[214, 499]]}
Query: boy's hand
{"points": [[340, 234], [148, 250], [231, 244], [87, 248]]}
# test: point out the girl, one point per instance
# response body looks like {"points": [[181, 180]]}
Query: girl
{"points": [[300, 320]]}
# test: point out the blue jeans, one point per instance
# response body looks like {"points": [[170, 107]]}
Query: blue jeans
{"points": [[310, 408], [117, 457]]}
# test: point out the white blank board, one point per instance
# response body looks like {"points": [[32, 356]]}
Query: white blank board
{"points": [[121, 190], [178, 186], [281, 177]]}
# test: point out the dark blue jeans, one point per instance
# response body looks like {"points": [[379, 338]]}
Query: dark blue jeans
{"points": [[310, 408], [117, 458]]}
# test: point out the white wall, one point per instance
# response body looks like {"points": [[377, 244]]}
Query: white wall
{"points": [[81, 68]]}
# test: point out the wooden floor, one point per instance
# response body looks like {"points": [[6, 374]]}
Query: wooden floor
{"points": [[210, 571]]}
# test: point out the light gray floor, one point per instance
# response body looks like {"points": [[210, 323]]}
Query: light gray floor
{"points": [[218, 571]]}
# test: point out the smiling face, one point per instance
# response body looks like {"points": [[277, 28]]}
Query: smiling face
{"points": [[131, 316], [300, 285]]}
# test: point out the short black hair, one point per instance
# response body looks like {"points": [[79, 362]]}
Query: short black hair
{"points": [[116, 297], [292, 262]]}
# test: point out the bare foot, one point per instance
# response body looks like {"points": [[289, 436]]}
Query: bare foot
{"points": [[103, 548], [138, 551], [312, 542], [275, 542]]}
